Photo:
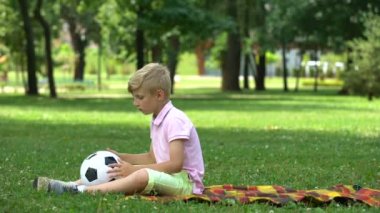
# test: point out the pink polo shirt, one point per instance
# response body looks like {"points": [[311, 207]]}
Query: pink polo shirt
{"points": [[171, 124]]}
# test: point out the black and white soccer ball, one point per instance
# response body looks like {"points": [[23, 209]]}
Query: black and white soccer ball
{"points": [[94, 168]]}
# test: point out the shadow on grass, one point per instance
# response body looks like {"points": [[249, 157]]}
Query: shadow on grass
{"points": [[249, 101], [68, 104]]}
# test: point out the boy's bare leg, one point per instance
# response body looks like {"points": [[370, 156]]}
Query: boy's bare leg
{"points": [[134, 183], [78, 182]]}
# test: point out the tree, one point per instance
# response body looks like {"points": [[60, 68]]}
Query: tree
{"points": [[200, 52], [244, 22], [264, 42], [231, 56], [174, 26], [78, 40], [283, 25], [142, 10], [12, 37], [117, 34], [316, 25], [32, 88], [365, 77], [253, 30], [209, 22], [48, 54], [337, 22], [79, 15]]}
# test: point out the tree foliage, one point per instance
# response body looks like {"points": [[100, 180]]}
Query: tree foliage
{"points": [[12, 37], [365, 77], [79, 15]]}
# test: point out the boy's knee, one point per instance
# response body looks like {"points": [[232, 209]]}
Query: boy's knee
{"points": [[141, 177]]}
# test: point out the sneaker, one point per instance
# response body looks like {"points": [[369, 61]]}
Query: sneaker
{"points": [[41, 183], [51, 185]]}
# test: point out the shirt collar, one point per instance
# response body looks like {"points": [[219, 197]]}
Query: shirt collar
{"points": [[164, 111]]}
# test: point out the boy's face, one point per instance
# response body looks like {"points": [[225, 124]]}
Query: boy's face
{"points": [[147, 102]]}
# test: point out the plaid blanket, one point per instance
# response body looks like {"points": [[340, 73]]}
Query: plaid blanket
{"points": [[276, 195]]}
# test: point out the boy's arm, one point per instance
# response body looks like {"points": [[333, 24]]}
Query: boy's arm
{"points": [[173, 165], [137, 159]]}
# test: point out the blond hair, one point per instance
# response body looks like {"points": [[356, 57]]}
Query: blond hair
{"points": [[151, 77]]}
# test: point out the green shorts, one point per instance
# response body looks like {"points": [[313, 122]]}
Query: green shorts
{"points": [[162, 183]]}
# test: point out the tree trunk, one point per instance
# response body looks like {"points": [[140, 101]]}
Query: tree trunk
{"points": [[173, 52], [139, 36], [285, 70], [80, 55], [316, 75], [245, 71], [199, 53], [370, 96], [49, 59], [140, 48], [261, 70], [349, 65], [100, 53], [246, 55], [315, 58], [231, 63], [157, 53], [32, 88], [78, 41], [80, 62], [298, 73], [200, 50], [231, 58], [22, 68], [297, 80]]}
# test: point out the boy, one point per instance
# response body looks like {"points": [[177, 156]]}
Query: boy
{"points": [[173, 166]]}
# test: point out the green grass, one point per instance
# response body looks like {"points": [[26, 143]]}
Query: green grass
{"points": [[302, 140]]}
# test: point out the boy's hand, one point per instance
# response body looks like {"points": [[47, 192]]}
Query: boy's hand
{"points": [[120, 169]]}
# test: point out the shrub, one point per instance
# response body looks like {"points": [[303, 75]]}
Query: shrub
{"points": [[364, 78]]}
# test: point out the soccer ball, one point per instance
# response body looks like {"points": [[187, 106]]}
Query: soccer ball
{"points": [[94, 168]]}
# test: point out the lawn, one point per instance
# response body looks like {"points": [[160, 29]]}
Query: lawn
{"points": [[301, 140]]}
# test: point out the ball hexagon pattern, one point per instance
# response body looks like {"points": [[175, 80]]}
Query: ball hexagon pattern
{"points": [[94, 168]]}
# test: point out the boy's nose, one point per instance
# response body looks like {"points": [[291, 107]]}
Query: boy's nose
{"points": [[135, 103]]}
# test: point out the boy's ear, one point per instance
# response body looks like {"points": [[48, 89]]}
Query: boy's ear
{"points": [[160, 94]]}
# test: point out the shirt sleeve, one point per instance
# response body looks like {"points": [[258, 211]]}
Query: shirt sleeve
{"points": [[178, 128]]}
